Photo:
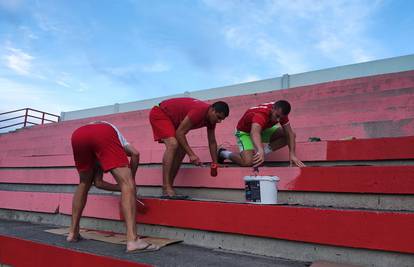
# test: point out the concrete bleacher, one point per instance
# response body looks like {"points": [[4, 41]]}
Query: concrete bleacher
{"points": [[355, 204]]}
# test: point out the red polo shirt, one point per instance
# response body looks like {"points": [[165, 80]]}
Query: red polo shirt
{"points": [[178, 108], [260, 115]]}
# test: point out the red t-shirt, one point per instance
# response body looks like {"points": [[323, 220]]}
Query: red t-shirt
{"points": [[178, 108], [260, 115]]}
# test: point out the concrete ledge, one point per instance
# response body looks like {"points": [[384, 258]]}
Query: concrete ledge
{"points": [[260, 246], [316, 199], [45, 249]]}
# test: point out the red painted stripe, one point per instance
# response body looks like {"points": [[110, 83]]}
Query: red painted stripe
{"points": [[366, 179], [374, 149], [348, 179], [21, 253], [30, 201], [390, 231], [359, 149]]}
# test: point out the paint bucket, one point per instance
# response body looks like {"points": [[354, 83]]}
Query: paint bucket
{"points": [[261, 189]]}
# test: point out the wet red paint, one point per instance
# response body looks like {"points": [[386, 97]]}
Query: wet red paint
{"points": [[380, 230], [21, 253], [345, 179], [359, 149]]}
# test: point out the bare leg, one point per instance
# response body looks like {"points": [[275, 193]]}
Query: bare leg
{"points": [[278, 139], [78, 204], [123, 177], [101, 184], [178, 159], [244, 159], [167, 165]]}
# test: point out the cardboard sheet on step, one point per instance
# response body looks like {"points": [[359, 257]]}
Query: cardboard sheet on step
{"points": [[114, 238]]}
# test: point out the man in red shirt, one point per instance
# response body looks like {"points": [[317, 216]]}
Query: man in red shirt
{"points": [[171, 120], [99, 147], [267, 123]]}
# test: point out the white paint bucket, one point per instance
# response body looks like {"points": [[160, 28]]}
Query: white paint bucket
{"points": [[261, 189]]}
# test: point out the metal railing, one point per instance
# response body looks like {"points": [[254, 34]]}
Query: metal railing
{"points": [[27, 114]]}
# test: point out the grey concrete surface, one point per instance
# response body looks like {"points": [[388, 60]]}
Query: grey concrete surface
{"points": [[298, 251], [174, 255], [389, 65]]}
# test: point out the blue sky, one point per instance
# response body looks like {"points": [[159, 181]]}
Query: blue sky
{"points": [[68, 55]]}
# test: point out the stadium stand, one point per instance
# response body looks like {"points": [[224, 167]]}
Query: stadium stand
{"points": [[354, 204]]}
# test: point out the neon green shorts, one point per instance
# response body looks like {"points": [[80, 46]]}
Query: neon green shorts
{"points": [[244, 141]]}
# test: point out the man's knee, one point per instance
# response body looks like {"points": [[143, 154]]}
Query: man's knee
{"points": [[86, 178], [123, 176], [171, 144], [99, 184], [129, 183], [246, 162]]}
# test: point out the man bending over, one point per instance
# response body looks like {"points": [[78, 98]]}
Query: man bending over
{"points": [[100, 146], [171, 120], [269, 124]]}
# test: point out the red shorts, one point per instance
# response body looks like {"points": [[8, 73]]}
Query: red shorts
{"points": [[162, 126], [97, 143]]}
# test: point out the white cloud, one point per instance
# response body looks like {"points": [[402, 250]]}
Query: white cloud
{"points": [[28, 33], [15, 95], [248, 78], [83, 87], [156, 67], [46, 24], [267, 49], [18, 61], [286, 34], [63, 83], [133, 69], [63, 79]]}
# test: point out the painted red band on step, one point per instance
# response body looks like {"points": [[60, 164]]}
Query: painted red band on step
{"points": [[346, 179], [24, 253], [359, 149], [30, 201], [379, 230], [372, 149]]}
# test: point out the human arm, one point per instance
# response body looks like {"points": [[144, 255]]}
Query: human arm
{"points": [[133, 153], [180, 134], [255, 134], [291, 142]]}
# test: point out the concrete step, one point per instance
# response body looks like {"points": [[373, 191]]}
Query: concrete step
{"points": [[360, 187], [382, 231], [45, 153], [301, 252], [384, 202], [26, 244]]}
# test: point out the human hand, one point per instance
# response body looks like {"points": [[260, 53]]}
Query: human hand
{"points": [[294, 161]]}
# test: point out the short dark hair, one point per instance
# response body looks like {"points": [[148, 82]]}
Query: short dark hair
{"points": [[283, 105], [221, 107]]}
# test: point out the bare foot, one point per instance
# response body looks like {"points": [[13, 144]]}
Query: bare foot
{"points": [[140, 245], [168, 192], [73, 237]]}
